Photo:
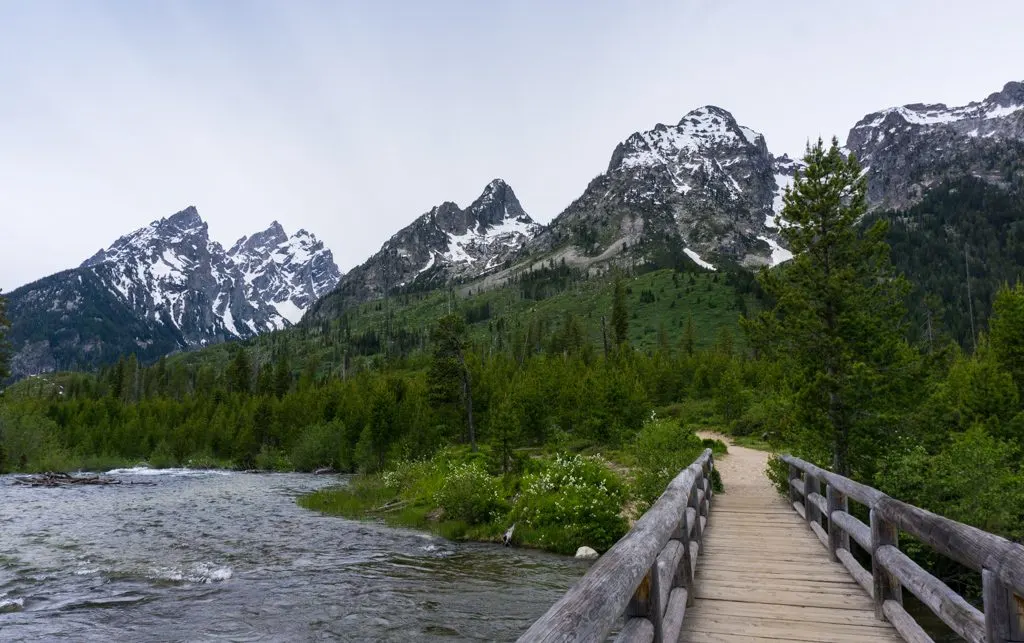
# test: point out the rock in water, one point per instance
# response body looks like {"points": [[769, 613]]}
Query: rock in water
{"points": [[507, 537], [586, 553]]}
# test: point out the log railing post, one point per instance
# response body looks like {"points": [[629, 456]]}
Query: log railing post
{"points": [[811, 511], [646, 602], [794, 474], [697, 534], [684, 572], [1004, 612], [837, 538], [887, 587]]}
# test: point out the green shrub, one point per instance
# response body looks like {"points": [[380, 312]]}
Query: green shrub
{"points": [[361, 495], [717, 446], [319, 446], [661, 450], [469, 494], [778, 472], [162, 456], [272, 459], [414, 480], [573, 501]]}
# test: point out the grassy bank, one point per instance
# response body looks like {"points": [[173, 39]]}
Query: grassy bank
{"points": [[557, 501]]}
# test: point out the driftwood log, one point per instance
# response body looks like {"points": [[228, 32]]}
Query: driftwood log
{"points": [[68, 480]]}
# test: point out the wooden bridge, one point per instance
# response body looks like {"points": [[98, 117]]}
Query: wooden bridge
{"points": [[763, 568]]}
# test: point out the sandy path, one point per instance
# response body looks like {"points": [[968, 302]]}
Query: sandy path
{"points": [[743, 469]]}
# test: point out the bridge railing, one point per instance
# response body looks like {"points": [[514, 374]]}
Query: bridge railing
{"points": [[646, 577], [1000, 562]]}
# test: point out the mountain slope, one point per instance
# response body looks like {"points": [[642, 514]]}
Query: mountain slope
{"points": [[910, 149], [445, 245], [967, 227], [166, 287], [707, 187]]}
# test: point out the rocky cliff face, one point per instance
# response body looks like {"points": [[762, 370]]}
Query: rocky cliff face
{"points": [[910, 149], [446, 245], [707, 185], [166, 287]]}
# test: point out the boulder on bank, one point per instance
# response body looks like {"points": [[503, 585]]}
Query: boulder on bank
{"points": [[586, 553]]}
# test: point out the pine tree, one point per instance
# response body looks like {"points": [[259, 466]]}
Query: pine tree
{"points": [[4, 325], [282, 376], [1006, 332], [839, 316], [239, 373], [449, 371], [620, 315], [689, 336]]}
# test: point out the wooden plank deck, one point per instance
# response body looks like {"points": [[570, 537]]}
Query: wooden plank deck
{"points": [[764, 576]]}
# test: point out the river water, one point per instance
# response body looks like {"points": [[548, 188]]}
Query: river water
{"points": [[201, 556]]}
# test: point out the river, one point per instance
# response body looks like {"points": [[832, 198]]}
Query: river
{"points": [[207, 555]]}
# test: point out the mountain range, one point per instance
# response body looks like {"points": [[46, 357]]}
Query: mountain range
{"points": [[167, 287], [704, 193]]}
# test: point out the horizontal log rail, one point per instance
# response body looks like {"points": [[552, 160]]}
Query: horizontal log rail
{"points": [[646, 578], [1000, 562]]}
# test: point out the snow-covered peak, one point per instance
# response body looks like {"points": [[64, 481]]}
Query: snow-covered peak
{"points": [[1008, 102], [702, 132], [908, 149], [171, 273], [272, 236], [185, 226], [287, 272]]}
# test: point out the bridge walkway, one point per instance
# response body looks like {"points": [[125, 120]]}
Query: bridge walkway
{"points": [[763, 576]]}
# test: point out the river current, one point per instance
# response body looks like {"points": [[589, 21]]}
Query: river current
{"points": [[219, 556]]}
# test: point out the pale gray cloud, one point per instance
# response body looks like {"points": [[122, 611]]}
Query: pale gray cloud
{"points": [[351, 118]]}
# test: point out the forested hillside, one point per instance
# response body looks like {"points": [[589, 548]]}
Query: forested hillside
{"points": [[965, 237]]}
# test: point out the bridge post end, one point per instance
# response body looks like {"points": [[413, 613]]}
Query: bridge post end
{"points": [[886, 586]]}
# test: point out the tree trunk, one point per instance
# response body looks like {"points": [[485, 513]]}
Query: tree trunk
{"points": [[467, 394]]}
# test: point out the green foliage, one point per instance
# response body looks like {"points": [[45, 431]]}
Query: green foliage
{"points": [[470, 494], [321, 445], [570, 502], [620, 314], [973, 478], [239, 373], [660, 451], [966, 226], [1006, 330], [449, 377], [778, 474], [30, 442], [838, 316]]}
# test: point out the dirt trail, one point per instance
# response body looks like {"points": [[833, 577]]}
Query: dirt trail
{"points": [[742, 469]]}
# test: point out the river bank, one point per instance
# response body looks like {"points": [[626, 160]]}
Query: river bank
{"points": [[556, 502]]}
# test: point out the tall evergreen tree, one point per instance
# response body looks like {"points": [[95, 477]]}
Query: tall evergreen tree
{"points": [[689, 336], [282, 376], [839, 316], [1006, 329], [620, 314], [239, 373], [449, 371], [4, 325]]}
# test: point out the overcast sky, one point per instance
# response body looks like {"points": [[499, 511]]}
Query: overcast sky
{"points": [[350, 119]]}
